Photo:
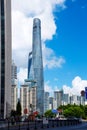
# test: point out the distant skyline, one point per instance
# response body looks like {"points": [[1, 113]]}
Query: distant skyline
{"points": [[64, 41]]}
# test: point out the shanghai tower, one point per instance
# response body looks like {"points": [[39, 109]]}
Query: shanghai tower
{"points": [[37, 65]]}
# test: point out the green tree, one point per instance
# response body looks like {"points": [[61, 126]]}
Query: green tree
{"points": [[74, 111], [49, 113], [13, 113], [18, 108], [85, 110]]}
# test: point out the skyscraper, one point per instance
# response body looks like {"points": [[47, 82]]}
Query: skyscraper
{"points": [[30, 67], [37, 65], [13, 73], [5, 57]]}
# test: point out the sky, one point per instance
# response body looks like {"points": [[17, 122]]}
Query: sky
{"points": [[64, 41]]}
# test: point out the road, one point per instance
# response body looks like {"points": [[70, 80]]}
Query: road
{"points": [[38, 126], [82, 126]]}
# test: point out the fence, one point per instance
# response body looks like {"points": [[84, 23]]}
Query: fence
{"points": [[36, 124]]}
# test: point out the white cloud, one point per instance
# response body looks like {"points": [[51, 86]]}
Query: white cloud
{"points": [[23, 13], [50, 89], [50, 60], [78, 85], [22, 74]]}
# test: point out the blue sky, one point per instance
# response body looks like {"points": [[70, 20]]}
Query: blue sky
{"points": [[64, 41], [70, 42]]}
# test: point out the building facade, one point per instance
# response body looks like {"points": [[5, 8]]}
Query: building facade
{"points": [[13, 73], [32, 98], [35, 66], [30, 67], [24, 98], [46, 101], [5, 58], [14, 97], [58, 96]]}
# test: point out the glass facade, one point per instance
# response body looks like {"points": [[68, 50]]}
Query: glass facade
{"points": [[37, 65]]}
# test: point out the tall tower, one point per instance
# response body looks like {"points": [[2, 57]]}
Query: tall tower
{"points": [[30, 67], [5, 57], [38, 64]]}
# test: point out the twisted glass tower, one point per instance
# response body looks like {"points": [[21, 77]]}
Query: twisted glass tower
{"points": [[37, 65]]}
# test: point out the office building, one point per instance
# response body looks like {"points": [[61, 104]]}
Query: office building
{"points": [[51, 102], [58, 96], [74, 99], [35, 65], [5, 58], [66, 98], [46, 101]]}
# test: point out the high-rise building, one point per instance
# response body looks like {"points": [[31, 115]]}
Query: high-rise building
{"points": [[14, 87], [32, 98], [30, 67], [14, 97], [24, 97], [66, 99], [35, 67], [5, 57], [14, 73], [46, 101], [58, 96], [74, 99]]}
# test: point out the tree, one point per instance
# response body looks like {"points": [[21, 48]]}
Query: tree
{"points": [[49, 113], [85, 110], [74, 111], [18, 108], [13, 113]]}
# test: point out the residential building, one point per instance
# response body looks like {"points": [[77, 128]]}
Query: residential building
{"points": [[32, 98], [24, 98], [14, 97]]}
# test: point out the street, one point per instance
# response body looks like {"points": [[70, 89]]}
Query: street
{"points": [[82, 126]]}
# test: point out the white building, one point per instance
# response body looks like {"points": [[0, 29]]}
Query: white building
{"points": [[14, 97], [65, 99], [24, 97], [58, 96], [32, 98], [14, 87], [74, 99]]}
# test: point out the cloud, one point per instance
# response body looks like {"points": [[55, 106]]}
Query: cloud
{"points": [[49, 88], [22, 74], [22, 22], [78, 85], [50, 60]]}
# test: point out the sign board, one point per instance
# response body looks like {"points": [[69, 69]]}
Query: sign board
{"points": [[45, 121]]}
